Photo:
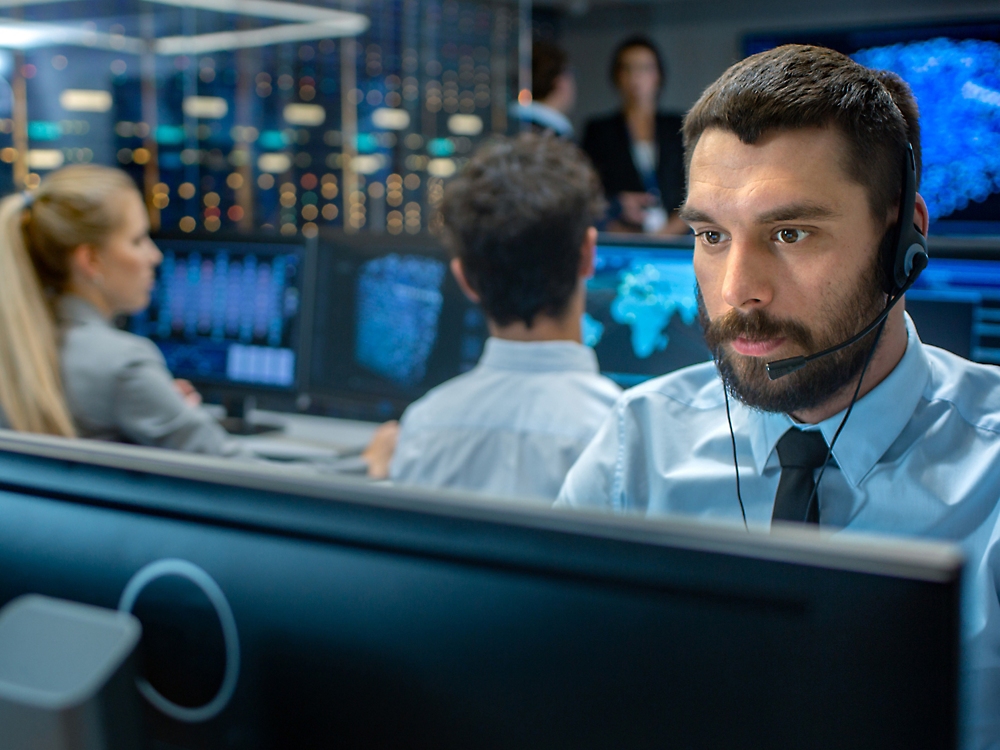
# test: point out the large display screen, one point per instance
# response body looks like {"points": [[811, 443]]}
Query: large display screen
{"points": [[954, 73]]}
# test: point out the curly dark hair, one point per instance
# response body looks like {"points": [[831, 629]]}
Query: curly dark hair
{"points": [[800, 86], [517, 216]]}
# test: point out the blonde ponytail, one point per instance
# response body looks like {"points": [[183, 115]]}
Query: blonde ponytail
{"points": [[73, 206], [31, 394]]}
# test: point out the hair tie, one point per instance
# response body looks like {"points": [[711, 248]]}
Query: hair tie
{"points": [[29, 198]]}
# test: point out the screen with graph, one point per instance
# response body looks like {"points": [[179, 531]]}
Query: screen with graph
{"points": [[227, 312]]}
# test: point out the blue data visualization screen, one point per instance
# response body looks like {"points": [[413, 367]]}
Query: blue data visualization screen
{"points": [[399, 302], [955, 304], [390, 324], [226, 312], [954, 73], [642, 312]]}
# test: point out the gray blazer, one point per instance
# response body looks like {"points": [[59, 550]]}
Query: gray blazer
{"points": [[118, 387]]}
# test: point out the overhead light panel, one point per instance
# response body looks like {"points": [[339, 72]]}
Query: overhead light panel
{"points": [[205, 107], [391, 119], [465, 124], [303, 23], [441, 167], [306, 115], [85, 100], [274, 163], [45, 158]]}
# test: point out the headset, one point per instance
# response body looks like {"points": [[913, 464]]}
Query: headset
{"points": [[903, 260]]}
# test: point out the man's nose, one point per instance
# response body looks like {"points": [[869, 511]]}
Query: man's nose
{"points": [[748, 281]]}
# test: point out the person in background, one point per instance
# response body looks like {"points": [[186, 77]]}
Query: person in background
{"points": [[74, 254], [638, 151], [519, 223], [553, 93]]}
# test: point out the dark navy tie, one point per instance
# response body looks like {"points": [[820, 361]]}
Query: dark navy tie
{"points": [[800, 454]]}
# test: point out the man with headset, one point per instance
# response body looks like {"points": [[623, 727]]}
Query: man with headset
{"points": [[822, 406]]}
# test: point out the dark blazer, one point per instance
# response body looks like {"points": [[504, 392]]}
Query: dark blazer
{"points": [[606, 141]]}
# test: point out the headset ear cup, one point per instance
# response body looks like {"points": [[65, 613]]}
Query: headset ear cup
{"points": [[909, 243], [887, 256]]}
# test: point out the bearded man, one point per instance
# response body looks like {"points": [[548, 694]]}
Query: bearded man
{"points": [[796, 164]]}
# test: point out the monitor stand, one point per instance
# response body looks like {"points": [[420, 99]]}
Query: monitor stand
{"points": [[236, 423]]}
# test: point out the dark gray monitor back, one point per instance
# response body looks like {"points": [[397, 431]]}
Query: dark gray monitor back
{"points": [[372, 617]]}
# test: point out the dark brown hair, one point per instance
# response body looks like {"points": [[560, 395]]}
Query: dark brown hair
{"points": [[517, 216], [548, 62], [799, 86]]}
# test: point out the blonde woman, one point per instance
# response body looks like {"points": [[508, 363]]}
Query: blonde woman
{"points": [[75, 253]]}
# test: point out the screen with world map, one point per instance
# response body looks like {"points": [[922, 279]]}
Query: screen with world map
{"points": [[642, 312]]}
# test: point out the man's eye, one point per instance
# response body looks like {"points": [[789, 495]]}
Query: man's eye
{"points": [[710, 237], [791, 236]]}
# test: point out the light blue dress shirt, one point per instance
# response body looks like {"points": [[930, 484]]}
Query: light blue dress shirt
{"points": [[512, 426], [920, 456]]}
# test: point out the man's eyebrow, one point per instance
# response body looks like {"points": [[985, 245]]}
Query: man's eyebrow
{"points": [[692, 215], [791, 212], [796, 212]]}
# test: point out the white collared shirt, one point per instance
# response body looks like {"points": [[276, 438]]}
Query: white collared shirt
{"points": [[544, 116], [919, 456], [512, 426]]}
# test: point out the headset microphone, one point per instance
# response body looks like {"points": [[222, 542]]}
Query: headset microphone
{"points": [[900, 269]]}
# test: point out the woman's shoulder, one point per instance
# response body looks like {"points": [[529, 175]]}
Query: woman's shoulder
{"points": [[106, 347]]}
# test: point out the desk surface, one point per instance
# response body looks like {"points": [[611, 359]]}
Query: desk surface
{"points": [[306, 438]]}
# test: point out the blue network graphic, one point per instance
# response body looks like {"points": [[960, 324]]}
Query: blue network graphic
{"points": [[592, 330], [223, 297], [957, 86], [649, 295], [399, 303]]}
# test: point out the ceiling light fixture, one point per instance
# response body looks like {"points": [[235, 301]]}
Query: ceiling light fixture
{"points": [[304, 22]]}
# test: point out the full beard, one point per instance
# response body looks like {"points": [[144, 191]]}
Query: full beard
{"points": [[746, 377]]}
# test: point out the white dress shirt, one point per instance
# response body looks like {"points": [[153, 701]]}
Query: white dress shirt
{"points": [[543, 117], [920, 456], [512, 426]]}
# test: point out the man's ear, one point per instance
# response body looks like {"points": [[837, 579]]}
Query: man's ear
{"points": [[921, 216], [459, 273], [588, 254]]}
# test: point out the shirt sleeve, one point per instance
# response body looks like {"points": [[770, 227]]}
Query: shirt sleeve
{"points": [[148, 410], [594, 480]]}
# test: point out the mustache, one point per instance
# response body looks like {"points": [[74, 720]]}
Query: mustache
{"points": [[756, 325]]}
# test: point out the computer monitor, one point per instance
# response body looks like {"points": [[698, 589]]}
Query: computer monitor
{"points": [[955, 304], [642, 313], [951, 68], [228, 312], [390, 323], [280, 610]]}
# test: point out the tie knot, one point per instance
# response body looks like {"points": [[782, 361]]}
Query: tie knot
{"points": [[802, 449]]}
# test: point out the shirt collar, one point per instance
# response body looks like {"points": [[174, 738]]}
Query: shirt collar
{"points": [[876, 421], [544, 115], [538, 356], [71, 309]]}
